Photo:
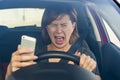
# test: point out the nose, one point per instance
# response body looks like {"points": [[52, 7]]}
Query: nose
{"points": [[59, 29]]}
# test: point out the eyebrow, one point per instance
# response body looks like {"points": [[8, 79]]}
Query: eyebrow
{"points": [[61, 23], [64, 23]]}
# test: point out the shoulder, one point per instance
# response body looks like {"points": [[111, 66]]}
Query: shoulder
{"points": [[84, 49]]}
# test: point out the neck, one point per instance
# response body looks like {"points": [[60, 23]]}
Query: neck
{"points": [[51, 47]]}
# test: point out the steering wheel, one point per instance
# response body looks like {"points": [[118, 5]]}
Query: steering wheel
{"points": [[58, 54], [53, 71]]}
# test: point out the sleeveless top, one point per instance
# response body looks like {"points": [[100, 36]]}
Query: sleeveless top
{"points": [[84, 49]]}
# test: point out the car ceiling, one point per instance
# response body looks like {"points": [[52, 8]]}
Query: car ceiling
{"points": [[32, 3]]}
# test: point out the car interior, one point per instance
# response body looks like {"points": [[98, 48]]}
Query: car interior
{"points": [[10, 38]]}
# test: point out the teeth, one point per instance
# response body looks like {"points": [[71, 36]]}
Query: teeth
{"points": [[58, 37]]}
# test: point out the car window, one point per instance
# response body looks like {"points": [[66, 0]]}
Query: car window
{"points": [[21, 17], [113, 18], [112, 36]]}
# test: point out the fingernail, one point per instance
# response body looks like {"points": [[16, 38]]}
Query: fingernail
{"points": [[35, 57], [34, 62]]}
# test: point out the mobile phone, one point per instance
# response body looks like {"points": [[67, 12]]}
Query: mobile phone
{"points": [[28, 42]]}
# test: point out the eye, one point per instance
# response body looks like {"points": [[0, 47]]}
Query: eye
{"points": [[52, 25], [64, 25]]}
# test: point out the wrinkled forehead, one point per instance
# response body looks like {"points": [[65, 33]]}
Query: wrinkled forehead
{"points": [[61, 16]]}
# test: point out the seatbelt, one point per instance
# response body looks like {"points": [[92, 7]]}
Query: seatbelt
{"points": [[78, 43]]}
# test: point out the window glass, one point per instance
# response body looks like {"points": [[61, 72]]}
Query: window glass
{"points": [[113, 38], [21, 17]]}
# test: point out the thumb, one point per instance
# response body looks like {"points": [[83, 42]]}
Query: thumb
{"points": [[19, 46], [77, 53]]}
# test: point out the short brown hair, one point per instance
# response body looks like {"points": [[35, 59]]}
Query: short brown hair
{"points": [[51, 14]]}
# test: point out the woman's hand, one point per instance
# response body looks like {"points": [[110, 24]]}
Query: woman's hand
{"points": [[18, 59], [85, 61]]}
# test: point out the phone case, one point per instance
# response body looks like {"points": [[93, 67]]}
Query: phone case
{"points": [[28, 42]]}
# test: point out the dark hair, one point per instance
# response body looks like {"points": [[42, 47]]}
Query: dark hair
{"points": [[51, 14]]}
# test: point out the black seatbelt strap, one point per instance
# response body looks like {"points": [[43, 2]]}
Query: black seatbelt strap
{"points": [[78, 43]]}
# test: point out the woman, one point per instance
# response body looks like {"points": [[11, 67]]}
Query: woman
{"points": [[59, 31]]}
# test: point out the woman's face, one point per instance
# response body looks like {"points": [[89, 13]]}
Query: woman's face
{"points": [[60, 31]]}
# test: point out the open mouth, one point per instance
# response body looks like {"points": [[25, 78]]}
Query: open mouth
{"points": [[59, 40]]}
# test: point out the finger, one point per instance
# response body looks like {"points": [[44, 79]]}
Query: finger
{"points": [[24, 51], [18, 61], [28, 63], [21, 50], [77, 53], [14, 53], [71, 62], [18, 65], [18, 57], [28, 58], [86, 61], [15, 69], [15, 58], [25, 58], [90, 66], [15, 66], [19, 46], [93, 65], [82, 60]]}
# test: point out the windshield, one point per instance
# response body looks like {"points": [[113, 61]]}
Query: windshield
{"points": [[21, 17], [18, 17]]}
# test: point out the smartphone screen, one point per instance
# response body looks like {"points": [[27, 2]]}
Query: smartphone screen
{"points": [[28, 42]]}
